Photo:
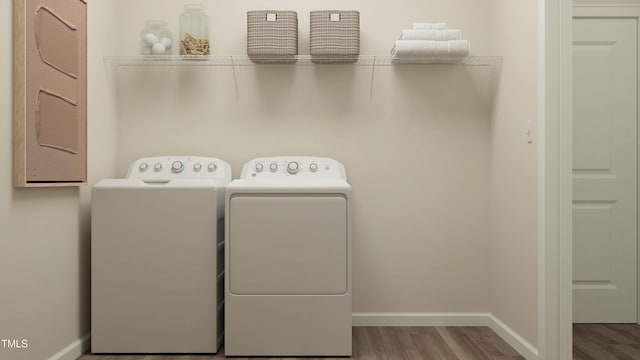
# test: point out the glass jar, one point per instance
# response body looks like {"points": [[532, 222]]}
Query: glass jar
{"points": [[194, 31], [155, 38]]}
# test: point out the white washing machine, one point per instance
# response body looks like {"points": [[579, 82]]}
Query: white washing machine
{"points": [[157, 257], [288, 259]]}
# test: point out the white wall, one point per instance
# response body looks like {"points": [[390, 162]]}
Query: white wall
{"points": [[44, 233], [416, 153], [514, 169]]}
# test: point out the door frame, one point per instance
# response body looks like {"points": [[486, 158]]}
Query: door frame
{"points": [[554, 180], [555, 190]]}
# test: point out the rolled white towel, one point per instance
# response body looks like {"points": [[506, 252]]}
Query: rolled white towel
{"points": [[459, 48], [430, 26], [430, 49], [413, 34]]}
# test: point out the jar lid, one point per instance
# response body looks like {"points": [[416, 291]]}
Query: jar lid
{"points": [[198, 7]]}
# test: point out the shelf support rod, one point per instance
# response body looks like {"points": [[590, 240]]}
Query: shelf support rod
{"points": [[373, 73], [235, 78]]}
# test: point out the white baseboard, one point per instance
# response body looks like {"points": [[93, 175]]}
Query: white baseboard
{"points": [[420, 319], [512, 338], [74, 350]]}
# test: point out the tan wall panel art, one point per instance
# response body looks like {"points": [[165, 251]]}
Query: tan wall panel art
{"points": [[50, 92]]}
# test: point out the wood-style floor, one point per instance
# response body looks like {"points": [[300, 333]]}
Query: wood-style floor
{"points": [[391, 343], [606, 342]]}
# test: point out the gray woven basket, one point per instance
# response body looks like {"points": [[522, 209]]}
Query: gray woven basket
{"points": [[272, 36], [335, 36]]}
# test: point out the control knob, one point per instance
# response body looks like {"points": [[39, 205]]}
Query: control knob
{"points": [[157, 166], [293, 167], [144, 167], [177, 167], [212, 167], [259, 167], [273, 167], [197, 166], [313, 167]]}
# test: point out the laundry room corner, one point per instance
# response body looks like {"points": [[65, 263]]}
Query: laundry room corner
{"points": [[514, 173], [102, 141], [44, 233]]}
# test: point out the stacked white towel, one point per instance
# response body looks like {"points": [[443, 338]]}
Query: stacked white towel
{"points": [[430, 43], [439, 35], [430, 26]]}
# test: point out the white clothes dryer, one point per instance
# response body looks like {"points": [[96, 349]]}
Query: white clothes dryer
{"points": [[288, 259], [157, 257]]}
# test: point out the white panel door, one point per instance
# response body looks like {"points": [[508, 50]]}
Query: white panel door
{"points": [[604, 170]]}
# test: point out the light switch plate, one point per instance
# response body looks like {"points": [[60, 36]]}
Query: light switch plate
{"points": [[335, 17], [272, 17]]}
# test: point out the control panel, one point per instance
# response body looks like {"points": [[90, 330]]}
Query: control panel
{"points": [[293, 167], [179, 167]]}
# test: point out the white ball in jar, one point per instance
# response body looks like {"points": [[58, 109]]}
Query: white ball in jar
{"points": [[158, 49], [166, 42], [150, 39]]}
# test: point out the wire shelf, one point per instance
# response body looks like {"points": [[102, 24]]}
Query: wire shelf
{"points": [[299, 60]]}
